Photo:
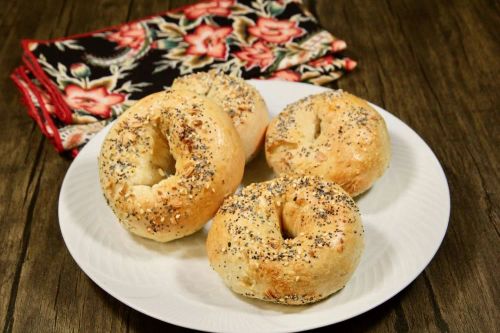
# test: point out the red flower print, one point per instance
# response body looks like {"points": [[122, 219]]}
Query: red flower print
{"points": [[322, 62], [286, 74], [208, 40], [129, 35], [350, 64], [257, 55], [73, 140], [275, 31], [216, 7], [338, 45], [96, 101]]}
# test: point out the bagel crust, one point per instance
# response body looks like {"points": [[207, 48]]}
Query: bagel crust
{"points": [[168, 162], [240, 100], [334, 135], [291, 240]]}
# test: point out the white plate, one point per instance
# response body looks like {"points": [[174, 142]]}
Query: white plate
{"points": [[405, 216]]}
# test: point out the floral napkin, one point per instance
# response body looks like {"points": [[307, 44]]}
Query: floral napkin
{"points": [[75, 86]]}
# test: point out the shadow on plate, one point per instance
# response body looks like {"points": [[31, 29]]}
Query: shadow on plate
{"points": [[279, 308], [396, 179], [189, 247], [257, 170]]}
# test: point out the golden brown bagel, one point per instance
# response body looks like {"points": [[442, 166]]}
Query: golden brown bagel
{"points": [[168, 162], [291, 240], [334, 135], [237, 98]]}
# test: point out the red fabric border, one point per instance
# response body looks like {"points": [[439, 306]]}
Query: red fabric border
{"points": [[26, 98], [63, 112], [55, 138]]}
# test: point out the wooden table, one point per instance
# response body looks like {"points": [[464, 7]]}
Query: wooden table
{"points": [[434, 65]]}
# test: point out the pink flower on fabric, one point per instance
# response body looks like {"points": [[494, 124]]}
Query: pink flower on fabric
{"points": [[74, 140], [217, 7], [208, 40], [275, 31], [338, 45], [322, 62], [257, 55], [96, 101], [286, 74], [350, 64], [129, 35]]}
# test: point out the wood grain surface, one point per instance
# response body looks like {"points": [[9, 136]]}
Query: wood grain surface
{"points": [[434, 64]]}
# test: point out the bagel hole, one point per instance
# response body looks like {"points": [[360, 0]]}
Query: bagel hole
{"points": [[157, 162], [169, 167], [317, 127], [286, 231], [162, 159]]}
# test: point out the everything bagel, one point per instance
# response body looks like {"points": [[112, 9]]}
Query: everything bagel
{"points": [[334, 135], [291, 240], [168, 162], [241, 101]]}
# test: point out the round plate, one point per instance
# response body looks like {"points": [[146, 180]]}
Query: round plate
{"points": [[405, 215]]}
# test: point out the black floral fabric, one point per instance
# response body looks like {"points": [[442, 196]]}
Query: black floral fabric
{"points": [[75, 86]]}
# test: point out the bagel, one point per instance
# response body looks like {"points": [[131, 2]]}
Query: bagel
{"points": [[334, 135], [168, 162], [291, 240], [240, 100]]}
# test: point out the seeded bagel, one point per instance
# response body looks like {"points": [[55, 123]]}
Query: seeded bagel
{"points": [[291, 240], [240, 100], [168, 162], [334, 135]]}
